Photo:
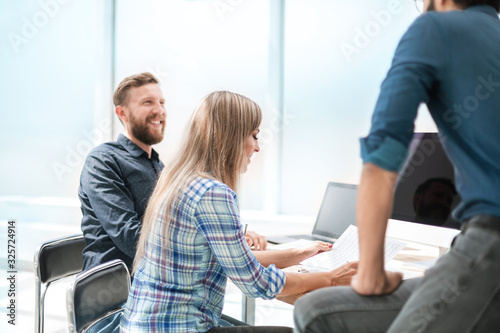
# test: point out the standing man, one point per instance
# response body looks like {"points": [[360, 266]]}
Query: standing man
{"points": [[449, 59], [118, 177]]}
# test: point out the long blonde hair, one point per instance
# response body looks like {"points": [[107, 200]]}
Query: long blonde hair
{"points": [[213, 147]]}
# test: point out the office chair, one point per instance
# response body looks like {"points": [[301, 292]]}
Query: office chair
{"points": [[54, 260], [95, 297]]}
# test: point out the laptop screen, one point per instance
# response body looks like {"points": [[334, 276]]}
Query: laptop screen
{"points": [[337, 211]]}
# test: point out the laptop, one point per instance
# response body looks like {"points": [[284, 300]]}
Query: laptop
{"points": [[337, 212]]}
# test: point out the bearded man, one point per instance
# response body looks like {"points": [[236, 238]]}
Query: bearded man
{"points": [[119, 177]]}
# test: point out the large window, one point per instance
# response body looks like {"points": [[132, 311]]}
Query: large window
{"points": [[55, 67], [336, 56], [196, 47], [313, 66]]}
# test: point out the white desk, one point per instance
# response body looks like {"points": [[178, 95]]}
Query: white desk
{"points": [[413, 253]]}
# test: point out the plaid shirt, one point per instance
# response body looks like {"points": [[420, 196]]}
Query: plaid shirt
{"points": [[180, 283]]}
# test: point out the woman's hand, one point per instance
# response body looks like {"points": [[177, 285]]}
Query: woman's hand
{"points": [[315, 248], [342, 276], [258, 242], [297, 283]]}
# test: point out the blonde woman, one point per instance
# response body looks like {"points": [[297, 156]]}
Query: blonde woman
{"points": [[192, 239]]}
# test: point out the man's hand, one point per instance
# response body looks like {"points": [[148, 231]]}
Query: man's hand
{"points": [[372, 284], [258, 242]]}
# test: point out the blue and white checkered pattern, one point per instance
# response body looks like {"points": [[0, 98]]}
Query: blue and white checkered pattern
{"points": [[180, 284]]}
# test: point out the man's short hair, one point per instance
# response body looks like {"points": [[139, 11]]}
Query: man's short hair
{"points": [[422, 188], [120, 97], [468, 3]]}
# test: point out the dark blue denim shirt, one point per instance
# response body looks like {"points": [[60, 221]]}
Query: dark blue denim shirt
{"points": [[450, 61], [115, 185]]}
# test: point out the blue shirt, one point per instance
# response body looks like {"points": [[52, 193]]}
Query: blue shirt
{"points": [[116, 182], [180, 283], [450, 61]]}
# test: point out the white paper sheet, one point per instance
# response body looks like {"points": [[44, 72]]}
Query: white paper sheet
{"points": [[346, 249]]}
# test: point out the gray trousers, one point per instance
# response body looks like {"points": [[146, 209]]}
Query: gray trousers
{"points": [[460, 293]]}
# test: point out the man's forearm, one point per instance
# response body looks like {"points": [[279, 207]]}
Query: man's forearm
{"points": [[374, 205]]}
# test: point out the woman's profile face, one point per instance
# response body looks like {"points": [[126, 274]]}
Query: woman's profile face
{"points": [[251, 146]]}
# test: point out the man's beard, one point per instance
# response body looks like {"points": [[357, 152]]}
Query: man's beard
{"points": [[142, 133]]}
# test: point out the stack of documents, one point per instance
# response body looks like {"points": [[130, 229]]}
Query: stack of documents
{"points": [[346, 249]]}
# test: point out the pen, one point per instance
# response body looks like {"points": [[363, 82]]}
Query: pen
{"points": [[245, 232]]}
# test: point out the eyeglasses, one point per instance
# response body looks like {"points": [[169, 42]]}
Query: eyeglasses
{"points": [[420, 5]]}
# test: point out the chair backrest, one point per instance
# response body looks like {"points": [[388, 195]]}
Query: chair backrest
{"points": [[54, 260], [97, 293]]}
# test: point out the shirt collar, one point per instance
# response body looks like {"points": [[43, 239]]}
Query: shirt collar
{"points": [[486, 9], [134, 149]]}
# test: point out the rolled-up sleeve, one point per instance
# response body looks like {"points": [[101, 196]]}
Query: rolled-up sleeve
{"points": [[385, 152], [416, 67], [218, 219]]}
